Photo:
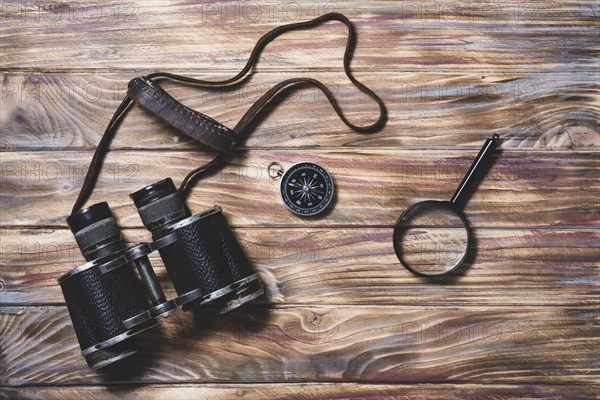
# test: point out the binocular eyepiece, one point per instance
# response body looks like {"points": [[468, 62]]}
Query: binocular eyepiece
{"points": [[108, 303], [159, 205], [96, 231]]}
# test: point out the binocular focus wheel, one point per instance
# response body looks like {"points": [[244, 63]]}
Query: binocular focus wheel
{"points": [[163, 310], [160, 311]]}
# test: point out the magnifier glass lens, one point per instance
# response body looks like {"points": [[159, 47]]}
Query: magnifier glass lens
{"points": [[431, 238]]}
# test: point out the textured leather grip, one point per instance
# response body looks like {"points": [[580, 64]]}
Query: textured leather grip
{"points": [[205, 256], [198, 126], [99, 303]]}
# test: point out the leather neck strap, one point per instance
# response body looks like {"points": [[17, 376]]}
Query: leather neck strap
{"points": [[146, 92]]}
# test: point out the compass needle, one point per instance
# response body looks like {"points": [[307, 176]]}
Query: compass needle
{"points": [[306, 188]]}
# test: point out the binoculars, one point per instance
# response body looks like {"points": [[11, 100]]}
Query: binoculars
{"points": [[109, 303]]}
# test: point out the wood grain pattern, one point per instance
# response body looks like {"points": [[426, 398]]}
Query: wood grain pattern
{"points": [[557, 111], [309, 391], [347, 266], [433, 35], [325, 344], [373, 186], [342, 318]]}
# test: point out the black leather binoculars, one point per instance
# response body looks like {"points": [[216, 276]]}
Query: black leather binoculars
{"points": [[108, 302]]}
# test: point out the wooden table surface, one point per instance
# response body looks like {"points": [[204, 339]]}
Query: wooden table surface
{"points": [[342, 318]]}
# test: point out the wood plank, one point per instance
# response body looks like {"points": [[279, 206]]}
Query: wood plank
{"points": [[558, 111], [308, 391], [522, 189], [432, 35], [524, 345], [340, 312], [346, 266]]}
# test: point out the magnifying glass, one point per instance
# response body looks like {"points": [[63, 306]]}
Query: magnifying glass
{"points": [[433, 238]]}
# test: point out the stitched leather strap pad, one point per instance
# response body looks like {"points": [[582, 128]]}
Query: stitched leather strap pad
{"points": [[198, 126]]}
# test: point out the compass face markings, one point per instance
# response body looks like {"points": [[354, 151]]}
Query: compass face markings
{"points": [[306, 188]]}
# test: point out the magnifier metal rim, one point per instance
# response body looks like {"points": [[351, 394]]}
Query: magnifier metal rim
{"points": [[430, 204]]}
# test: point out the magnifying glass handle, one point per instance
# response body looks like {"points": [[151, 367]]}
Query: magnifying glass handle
{"points": [[476, 169]]}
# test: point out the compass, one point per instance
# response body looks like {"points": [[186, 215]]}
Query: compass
{"points": [[306, 188]]}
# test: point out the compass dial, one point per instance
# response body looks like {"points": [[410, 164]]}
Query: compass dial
{"points": [[306, 188]]}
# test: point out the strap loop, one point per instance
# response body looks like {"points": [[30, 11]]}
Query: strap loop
{"points": [[148, 94]]}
